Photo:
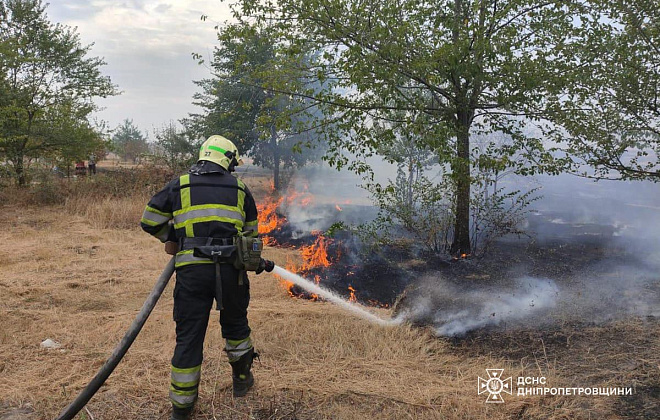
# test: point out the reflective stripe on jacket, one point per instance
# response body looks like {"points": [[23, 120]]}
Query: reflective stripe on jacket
{"points": [[214, 204]]}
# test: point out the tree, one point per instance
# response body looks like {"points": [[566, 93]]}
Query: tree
{"points": [[418, 202], [262, 123], [77, 139], [615, 123], [129, 141], [47, 84], [174, 148], [468, 67]]}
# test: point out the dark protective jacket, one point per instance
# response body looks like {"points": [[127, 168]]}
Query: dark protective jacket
{"points": [[207, 202]]}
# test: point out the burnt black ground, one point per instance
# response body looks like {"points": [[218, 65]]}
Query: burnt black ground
{"points": [[595, 242]]}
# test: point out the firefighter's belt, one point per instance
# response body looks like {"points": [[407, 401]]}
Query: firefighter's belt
{"points": [[220, 254], [191, 243]]}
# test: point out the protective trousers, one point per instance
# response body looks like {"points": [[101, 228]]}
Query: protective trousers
{"points": [[194, 294]]}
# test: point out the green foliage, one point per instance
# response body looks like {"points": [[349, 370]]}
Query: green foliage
{"points": [[441, 70], [614, 118], [48, 190], [422, 208], [497, 215], [129, 142], [119, 183], [47, 83], [418, 207], [263, 124], [122, 186], [174, 148]]}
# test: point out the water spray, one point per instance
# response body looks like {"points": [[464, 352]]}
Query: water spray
{"points": [[111, 363], [334, 298]]}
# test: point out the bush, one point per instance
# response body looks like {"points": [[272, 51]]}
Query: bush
{"points": [[421, 209], [114, 199], [48, 192]]}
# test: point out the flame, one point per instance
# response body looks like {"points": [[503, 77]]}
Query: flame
{"points": [[352, 298], [316, 255], [268, 240], [286, 284], [317, 280], [461, 257], [267, 216], [378, 304], [304, 197]]}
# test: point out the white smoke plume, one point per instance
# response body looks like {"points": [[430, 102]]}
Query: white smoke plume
{"points": [[454, 311]]}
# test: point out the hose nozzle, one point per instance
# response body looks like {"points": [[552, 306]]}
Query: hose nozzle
{"points": [[265, 265]]}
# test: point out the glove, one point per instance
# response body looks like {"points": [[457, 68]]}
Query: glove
{"points": [[266, 265], [171, 247]]}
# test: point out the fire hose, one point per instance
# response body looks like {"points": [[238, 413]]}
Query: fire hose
{"points": [[118, 353]]}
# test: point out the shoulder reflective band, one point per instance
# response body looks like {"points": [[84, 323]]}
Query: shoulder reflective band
{"points": [[184, 184]]}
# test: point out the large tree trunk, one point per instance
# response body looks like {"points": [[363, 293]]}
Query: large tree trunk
{"points": [[276, 157], [461, 173]]}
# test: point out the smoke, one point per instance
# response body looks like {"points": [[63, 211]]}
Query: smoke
{"points": [[612, 291], [336, 196], [592, 256], [601, 293], [454, 310]]}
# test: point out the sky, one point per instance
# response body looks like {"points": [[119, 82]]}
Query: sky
{"points": [[148, 46]]}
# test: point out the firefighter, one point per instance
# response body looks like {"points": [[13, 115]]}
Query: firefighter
{"points": [[199, 216]]}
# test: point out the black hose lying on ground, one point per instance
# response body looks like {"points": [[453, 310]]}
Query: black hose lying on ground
{"points": [[86, 394]]}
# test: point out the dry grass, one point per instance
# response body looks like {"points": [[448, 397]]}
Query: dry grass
{"points": [[81, 285], [79, 273], [108, 212]]}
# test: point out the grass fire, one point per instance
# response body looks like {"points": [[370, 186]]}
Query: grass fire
{"points": [[550, 306], [355, 210]]}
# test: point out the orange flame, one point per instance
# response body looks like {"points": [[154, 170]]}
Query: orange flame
{"points": [[352, 298], [306, 201], [268, 240], [267, 215], [304, 197], [286, 284], [378, 304], [316, 255]]}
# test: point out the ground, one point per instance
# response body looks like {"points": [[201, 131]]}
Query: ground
{"points": [[78, 282]]}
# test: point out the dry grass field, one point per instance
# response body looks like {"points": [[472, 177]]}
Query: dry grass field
{"points": [[78, 274]]}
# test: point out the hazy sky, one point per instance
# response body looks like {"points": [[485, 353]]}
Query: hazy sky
{"points": [[147, 45]]}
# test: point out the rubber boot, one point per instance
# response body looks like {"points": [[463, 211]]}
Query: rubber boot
{"points": [[181, 413], [241, 375]]}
